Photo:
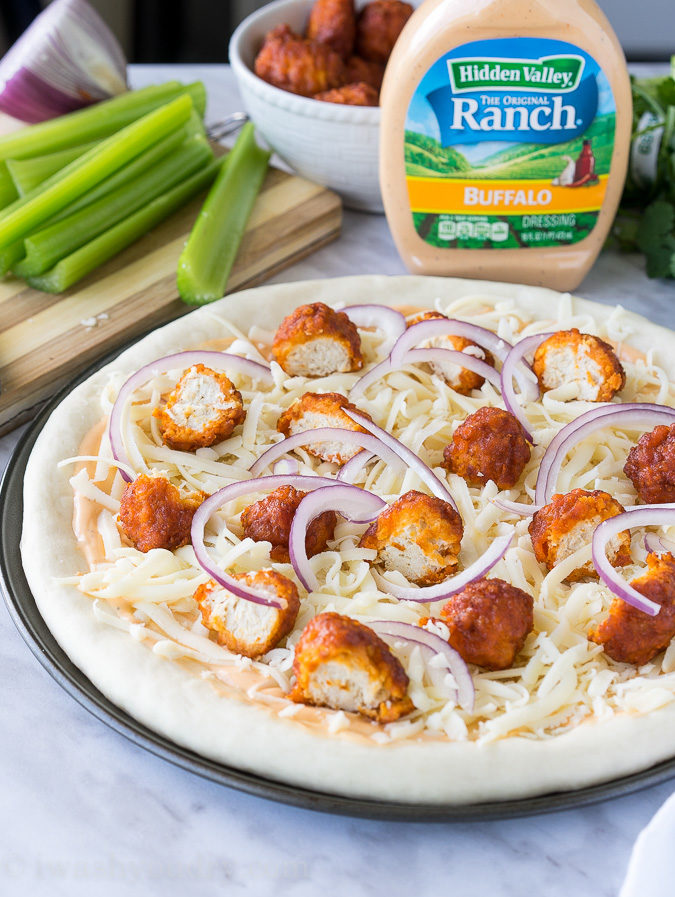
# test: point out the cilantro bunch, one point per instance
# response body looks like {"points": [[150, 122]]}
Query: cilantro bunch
{"points": [[646, 219]]}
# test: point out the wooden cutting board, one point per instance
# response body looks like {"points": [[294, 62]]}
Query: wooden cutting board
{"points": [[46, 339]]}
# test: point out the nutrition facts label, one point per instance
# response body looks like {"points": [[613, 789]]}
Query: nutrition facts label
{"points": [[472, 229]]}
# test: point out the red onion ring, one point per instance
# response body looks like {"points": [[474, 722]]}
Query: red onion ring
{"points": [[221, 497], [427, 356], [356, 505], [643, 515], [435, 327], [511, 362], [464, 692], [286, 465], [641, 415], [519, 508], [380, 317], [222, 360], [405, 454], [453, 584], [656, 544], [323, 434]]}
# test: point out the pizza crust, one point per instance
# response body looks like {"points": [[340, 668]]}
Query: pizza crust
{"points": [[249, 736]]}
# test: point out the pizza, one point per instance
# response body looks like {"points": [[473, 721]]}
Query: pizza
{"points": [[397, 538]]}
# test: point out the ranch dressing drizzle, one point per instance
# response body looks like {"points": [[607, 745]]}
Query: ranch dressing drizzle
{"points": [[504, 139]]}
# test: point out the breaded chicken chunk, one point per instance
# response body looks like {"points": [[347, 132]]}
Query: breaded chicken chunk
{"points": [[153, 514], [378, 26], [419, 535], [314, 341], [333, 22], [489, 621], [341, 663], [459, 378], [314, 410], [270, 519], [243, 626], [567, 524], [580, 358], [489, 445], [358, 69], [651, 466], [360, 94], [629, 635], [300, 66], [203, 409]]}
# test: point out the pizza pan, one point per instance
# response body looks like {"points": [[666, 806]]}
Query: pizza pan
{"points": [[24, 612]]}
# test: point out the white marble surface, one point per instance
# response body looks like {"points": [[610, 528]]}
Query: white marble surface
{"points": [[83, 811]]}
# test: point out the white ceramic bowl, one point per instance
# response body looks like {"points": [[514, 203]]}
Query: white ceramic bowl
{"points": [[328, 143]]}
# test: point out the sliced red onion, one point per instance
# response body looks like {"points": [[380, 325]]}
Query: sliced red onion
{"points": [[218, 360], [372, 376], [511, 362], [436, 327], [456, 583], [67, 58], [644, 515], [659, 544], [406, 455], [226, 494], [324, 434], [641, 415], [464, 692], [379, 317], [521, 509], [286, 465], [356, 505]]}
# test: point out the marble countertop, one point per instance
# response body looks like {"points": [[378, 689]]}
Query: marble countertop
{"points": [[83, 811]]}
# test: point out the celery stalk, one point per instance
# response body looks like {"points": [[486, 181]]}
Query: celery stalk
{"points": [[10, 256], [74, 267], [205, 263], [8, 191], [97, 121], [28, 173], [46, 247], [28, 213]]}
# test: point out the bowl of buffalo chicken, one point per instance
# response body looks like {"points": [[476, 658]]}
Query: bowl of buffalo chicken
{"points": [[310, 72]]}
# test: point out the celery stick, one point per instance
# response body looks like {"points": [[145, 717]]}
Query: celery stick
{"points": [[28, 213], [28, 173], [8, 191], [91, 255], [205, 263], [46, 247], [97, 121], [10, 256]]}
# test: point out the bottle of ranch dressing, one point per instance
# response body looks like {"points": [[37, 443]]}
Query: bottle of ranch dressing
{"points": [[505, 139]]}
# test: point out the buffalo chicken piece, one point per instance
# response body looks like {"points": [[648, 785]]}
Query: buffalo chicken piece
{"points": [[489, 621], [360, 94], [651, 466], [378, 26], [270, 519], [358, 69], [315, 410], [342, 664], [154, 515], [203, 409], [300, 66], [580, 358], [629, 635], [489, 445], [314, 341], [243, 626], [418, 535], [567, 524], [333, 22]]}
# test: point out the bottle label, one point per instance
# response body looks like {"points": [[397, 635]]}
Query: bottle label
{"points": [[508, 145]]}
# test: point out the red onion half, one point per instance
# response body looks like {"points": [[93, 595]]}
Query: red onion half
{"points": [[324, 434], [218, 360], [356, 505], [463, 691], [427, 594], [643, 515], [221, 497], [511, 362], [379, 317], [409, 457], [641, 415], [67, 58]]}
